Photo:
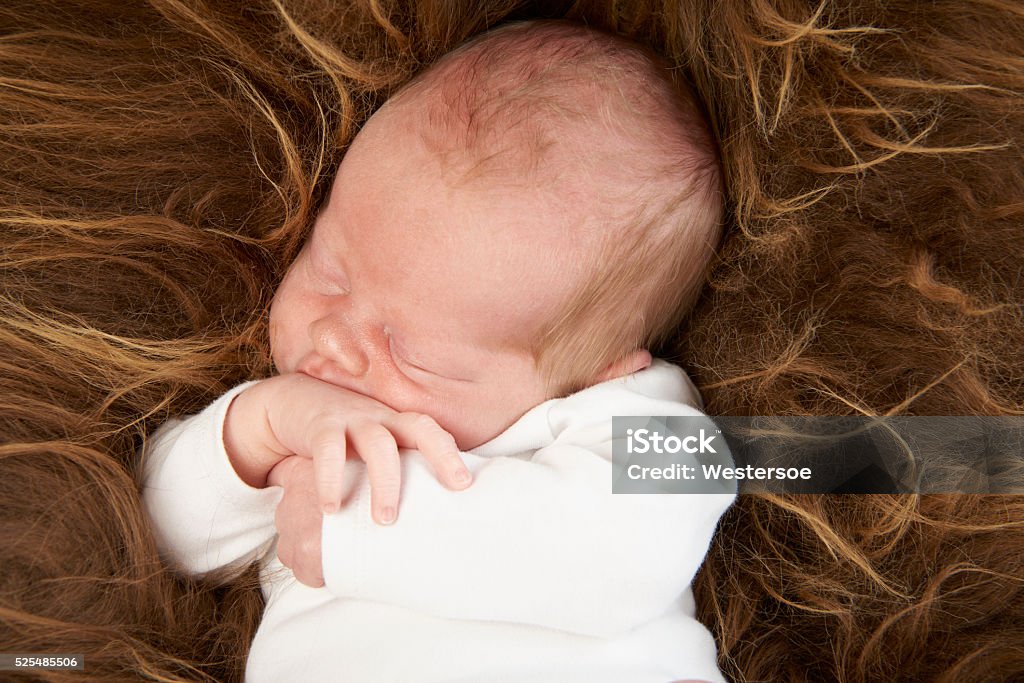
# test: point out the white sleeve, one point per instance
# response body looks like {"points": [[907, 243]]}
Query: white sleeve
{"points": [[540, 541], [204, 517]]}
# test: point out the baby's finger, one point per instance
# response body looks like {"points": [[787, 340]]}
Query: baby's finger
{"points": [[438, 446], [377, 447], [327, 448]]}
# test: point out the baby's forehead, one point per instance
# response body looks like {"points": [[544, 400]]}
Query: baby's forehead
{"points": [[590, 123], [540, 101]]}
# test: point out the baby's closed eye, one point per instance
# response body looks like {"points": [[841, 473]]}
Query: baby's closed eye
{"points": [[407, 361]]}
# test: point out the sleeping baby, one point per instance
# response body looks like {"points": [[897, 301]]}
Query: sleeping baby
{"points": [[428, 478]]}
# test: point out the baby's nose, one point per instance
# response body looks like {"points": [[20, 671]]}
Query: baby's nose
{"points": [[335, 341]]}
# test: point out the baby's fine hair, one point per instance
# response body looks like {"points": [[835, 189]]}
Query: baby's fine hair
{"points": [[506, 104]]}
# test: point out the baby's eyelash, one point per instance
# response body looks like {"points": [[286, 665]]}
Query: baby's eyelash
{"points": [[401, 359]]}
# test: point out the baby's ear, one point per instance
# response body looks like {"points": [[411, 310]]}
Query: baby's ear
{"points": [[634, 361]]}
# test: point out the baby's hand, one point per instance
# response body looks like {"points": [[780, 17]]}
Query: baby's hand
{"points": [[298, 520], [297, 414]]}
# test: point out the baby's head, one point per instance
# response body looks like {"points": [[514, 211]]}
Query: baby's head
{"points": [[526, 218]]}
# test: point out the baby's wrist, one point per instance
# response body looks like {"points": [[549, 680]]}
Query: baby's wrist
{"points": [[244, 440]]}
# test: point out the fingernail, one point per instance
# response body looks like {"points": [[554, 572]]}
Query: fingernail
{"points": [[463, 477], [330, 508], [388, 514]]}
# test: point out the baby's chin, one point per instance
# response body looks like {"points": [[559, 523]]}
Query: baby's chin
{"points": [[468, 437], [471, 443]]}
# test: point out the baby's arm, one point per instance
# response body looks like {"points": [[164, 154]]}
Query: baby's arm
{"points": [[203, 516], [540, 541], [205, 478]]}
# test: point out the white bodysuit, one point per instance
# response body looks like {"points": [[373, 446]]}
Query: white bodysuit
{"points": [[536, 572]]}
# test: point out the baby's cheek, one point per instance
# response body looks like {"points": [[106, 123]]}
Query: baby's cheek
{"points": [[274, 328], [282, 343], [274, 332]]}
